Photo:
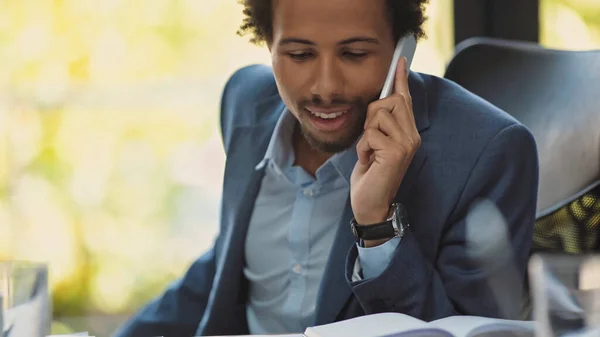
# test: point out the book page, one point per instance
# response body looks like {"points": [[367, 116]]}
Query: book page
{"points": [[467, 326], [292, 335], [288, 335], [284, 335], [368, 326]]}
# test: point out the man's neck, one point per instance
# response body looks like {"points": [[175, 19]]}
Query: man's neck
{"points": [[307, 157]]}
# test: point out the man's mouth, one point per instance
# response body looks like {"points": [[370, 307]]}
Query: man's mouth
{"points": [[328, 120], [329, 114]]}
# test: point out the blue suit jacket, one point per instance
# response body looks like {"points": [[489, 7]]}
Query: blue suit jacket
{"points": [[470, 150]]}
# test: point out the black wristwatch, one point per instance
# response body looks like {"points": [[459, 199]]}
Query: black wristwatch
{"points": [[395, 226]]}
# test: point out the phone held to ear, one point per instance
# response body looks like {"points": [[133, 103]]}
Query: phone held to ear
{"points": [[406, 47]]}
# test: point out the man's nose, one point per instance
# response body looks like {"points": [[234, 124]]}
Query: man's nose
{"points": [[328, 80]]}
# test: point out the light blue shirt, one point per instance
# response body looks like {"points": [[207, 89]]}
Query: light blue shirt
{"points": [[291, 232]]}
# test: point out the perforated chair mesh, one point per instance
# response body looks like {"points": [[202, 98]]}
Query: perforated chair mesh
{"points": [[573, 228]]}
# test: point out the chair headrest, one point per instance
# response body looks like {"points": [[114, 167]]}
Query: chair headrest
{"points": [[555, 93]]}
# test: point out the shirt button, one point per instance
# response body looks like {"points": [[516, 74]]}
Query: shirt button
{"points": [[308, 192], [297, 269]]}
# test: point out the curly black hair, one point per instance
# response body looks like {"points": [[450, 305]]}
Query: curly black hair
{"points": [[407, 16]]}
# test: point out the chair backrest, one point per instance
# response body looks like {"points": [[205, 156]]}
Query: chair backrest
{"points": [[556, 94]]}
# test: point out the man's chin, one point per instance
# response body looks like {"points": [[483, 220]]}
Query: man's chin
{"points": [[329, 145], [332, 148]]}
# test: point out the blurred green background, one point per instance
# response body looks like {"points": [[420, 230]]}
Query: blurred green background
{"points": [[110, 152]]}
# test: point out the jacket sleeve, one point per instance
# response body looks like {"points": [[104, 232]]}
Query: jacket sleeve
{"points": [[458, 281]]}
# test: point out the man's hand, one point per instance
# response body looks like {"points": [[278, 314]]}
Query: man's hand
{"points": [[384, 153]]}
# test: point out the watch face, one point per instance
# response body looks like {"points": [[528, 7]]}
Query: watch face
{"points": [[354, 231], [399, 222], [397, 226]]}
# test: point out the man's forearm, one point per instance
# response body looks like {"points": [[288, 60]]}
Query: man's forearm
{"points": [[411, 285]]}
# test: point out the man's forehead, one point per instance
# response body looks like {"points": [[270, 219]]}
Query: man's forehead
{"points": [[343, 17]]}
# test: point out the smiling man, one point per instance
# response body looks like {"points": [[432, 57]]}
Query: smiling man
{"points": [[337, 204]]}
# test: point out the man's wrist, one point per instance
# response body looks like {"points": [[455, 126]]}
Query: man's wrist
{"points": [[373, 218]]}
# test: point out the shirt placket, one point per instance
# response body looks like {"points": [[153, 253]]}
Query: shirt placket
{"points": [[299, 238]]}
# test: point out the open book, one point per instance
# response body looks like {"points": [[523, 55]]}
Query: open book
{"points": [[400, 325]]}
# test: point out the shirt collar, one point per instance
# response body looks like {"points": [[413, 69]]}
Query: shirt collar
{"points": [[281, 152], [345, 161]]}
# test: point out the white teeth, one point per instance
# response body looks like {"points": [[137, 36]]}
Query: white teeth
{"points": [[328, 116]]}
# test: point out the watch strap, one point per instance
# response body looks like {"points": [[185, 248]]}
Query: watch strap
{"points": [[379, 231], [394, 226]]}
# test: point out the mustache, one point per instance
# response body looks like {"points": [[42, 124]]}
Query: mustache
{"points": [[317, 101]]}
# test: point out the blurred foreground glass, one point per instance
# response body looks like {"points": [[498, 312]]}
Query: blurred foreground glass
{"points": [[25, 309], [566, 294]]}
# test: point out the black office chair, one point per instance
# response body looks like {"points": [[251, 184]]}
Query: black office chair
{"points": [[556, 94]]}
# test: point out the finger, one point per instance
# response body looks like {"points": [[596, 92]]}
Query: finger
{"points": [[384, 121], [398, 107], [364, 154], [388, 103], [372, 140], [403, 113], [399, 126], [401, 79]]}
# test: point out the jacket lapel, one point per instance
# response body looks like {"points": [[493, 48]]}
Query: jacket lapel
{"points": [[240, 189], [334, 290]]}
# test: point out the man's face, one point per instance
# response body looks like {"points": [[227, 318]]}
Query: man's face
{"points": [[330, 59]]}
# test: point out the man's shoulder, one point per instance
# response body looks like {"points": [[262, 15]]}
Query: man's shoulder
{"points": [[453, 108], [462, 121], [471, 141], [465, 128], [250, 97], [248, 86], [251, 82]]}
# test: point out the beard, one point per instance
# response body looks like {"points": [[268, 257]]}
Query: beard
{"points": [[349, 136]]}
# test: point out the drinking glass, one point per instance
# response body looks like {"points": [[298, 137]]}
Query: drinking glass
{"points": [[25, 301], [566, 294]]}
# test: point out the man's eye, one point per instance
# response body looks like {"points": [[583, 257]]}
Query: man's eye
{"points": [[300, 56], [355, 55]]}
